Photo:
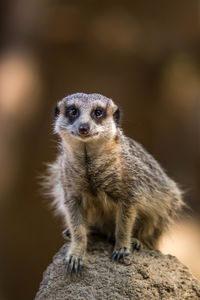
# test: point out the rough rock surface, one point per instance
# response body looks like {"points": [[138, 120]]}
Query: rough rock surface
{"points": [[146, 275]]}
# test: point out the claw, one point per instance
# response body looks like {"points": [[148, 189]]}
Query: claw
{"points": [[71, 265], [79, 266], [68, 261], [120, 253], [76, 270], [124, 255], [80, 269], [76, 266], [114, 254]]}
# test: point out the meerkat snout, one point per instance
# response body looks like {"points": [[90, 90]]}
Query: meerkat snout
{"points": [[84, 129]]}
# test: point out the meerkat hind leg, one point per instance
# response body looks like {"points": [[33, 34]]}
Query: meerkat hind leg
{"points": [[136, 244], [147, 231], [67, 234]]}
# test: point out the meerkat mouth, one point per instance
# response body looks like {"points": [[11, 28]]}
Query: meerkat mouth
{"points": [[84, 137]]}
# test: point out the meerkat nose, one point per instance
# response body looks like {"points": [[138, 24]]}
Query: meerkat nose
{"points": [[83, 129]]}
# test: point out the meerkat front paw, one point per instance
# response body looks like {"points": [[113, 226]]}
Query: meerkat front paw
{"points": [[74, 259], [119, 253], [74, 263]]}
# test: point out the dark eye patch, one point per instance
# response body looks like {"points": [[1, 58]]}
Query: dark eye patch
{"points": [[98, 113], [72, 113]]}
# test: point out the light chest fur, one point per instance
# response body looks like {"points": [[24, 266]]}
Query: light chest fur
{"points": [[94, 175], [93, 169]]}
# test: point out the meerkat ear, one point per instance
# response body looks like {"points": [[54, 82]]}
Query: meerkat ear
{"points": [[56, 111], [117, 116]]}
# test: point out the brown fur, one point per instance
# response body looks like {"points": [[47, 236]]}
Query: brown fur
{"points": [[108, 182]]}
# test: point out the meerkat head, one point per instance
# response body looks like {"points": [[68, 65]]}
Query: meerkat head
{"points": [[86, 117]]}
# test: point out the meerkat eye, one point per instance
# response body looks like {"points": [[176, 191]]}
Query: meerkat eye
{"points": [[72, 112], [98, 113]]}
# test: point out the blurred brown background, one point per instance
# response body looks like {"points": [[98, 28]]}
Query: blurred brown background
{"points": [[143, 54]]}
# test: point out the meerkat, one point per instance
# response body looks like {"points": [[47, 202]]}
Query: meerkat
{"points": [[105, 181]]}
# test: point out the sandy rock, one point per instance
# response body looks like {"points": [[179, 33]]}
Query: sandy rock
{"points": [[145, 275]]}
